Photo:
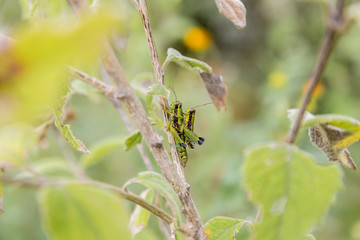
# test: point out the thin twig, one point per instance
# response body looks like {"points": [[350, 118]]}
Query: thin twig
{"points": [[127, 122], [107, 90], [113, 96], [334, 23], [124, 194], [152, 139], [190, 211]]}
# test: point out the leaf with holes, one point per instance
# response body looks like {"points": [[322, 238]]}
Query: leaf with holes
{"points": [[288, 186]]}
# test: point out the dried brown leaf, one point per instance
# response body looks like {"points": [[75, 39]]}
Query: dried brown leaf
{"points": [[325, 137], [216, 88], [234, 10]]}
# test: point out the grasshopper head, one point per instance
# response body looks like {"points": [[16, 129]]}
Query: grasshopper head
{"points": [[175, 105], [190, 111]]}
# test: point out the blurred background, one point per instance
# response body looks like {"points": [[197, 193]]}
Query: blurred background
{"points": [[265, 66]]}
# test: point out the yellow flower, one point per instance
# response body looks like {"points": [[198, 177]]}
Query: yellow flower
{"points": [[197, 39], [318, 91], [278, 79]]}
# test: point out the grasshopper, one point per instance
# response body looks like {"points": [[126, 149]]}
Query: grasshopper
{"points": [[181, 126], [190, 136], [175, 126]]}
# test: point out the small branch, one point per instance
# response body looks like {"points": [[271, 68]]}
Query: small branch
{"points": [[108, 91], [190, 211], [138, 200], [335, 20], [124, 194], [114, 97], [152, 139], [127, 123]]}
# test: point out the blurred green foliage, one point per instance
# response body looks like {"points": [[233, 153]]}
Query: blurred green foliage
{"points": [[265, 67]]}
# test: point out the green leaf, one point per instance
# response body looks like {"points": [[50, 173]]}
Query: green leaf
{"points": [[69, 136], [16, 143], [33, 68], [157, 182], [50, 167], [292, 190], [160, 91], [140, 216], [1, 191], [100, 150], [77, 212], [132, 140], [179, 236], [190, 63], [222, 228], [347, 123], [309, 237], [28, 7], [353, 12]]}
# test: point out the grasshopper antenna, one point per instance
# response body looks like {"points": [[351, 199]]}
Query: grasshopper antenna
{"points": [[203, 104], [172, 89]]}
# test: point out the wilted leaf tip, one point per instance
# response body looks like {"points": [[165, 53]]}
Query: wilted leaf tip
{"points": [[216, 89], [234, 10]]}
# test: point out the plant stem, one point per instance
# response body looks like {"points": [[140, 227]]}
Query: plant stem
{"points": [[153, 140], [127, 122], [114, 97], [124, 194], [189, 209], [334, 23]]}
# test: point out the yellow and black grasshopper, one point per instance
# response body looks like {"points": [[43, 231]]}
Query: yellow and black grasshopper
{"points": [[181, 126]]}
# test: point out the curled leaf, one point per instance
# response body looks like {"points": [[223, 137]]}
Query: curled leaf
{"points": [[190, 63], [216, 88], [331, 140], [234, 10], [66, 132], [331, 133]]}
